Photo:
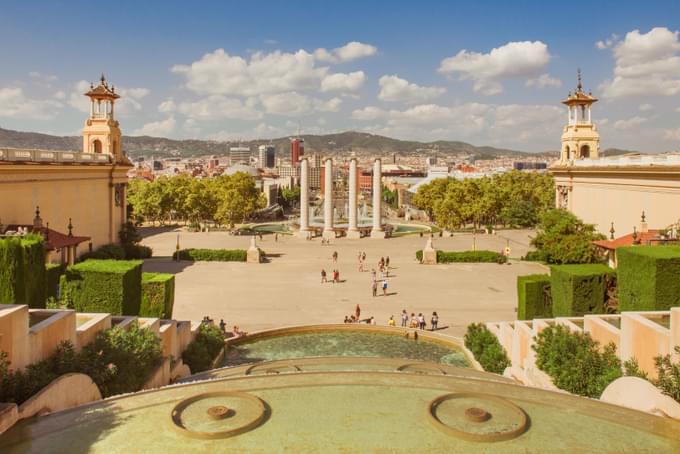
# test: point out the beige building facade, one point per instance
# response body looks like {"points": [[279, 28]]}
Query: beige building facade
{"points": [[86, 189], [612, 191]]}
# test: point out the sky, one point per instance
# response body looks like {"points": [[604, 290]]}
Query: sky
{"points": [[487, 73]]}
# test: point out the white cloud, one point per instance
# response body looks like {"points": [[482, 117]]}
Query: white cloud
{"points": [[59, 94], [15, 104], [647, 64], [629, 123], [42, 80], [607, 43], [350, 51], [261, 131], [672, 134], [331, 105], [287, 104], [167, 106], [514, 60], [645, 107], [343, 82], [394, 88], [215, 107], [161, 128], [128, 103], [543, 81]]}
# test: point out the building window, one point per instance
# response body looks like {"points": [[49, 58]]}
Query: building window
{"points": [[96, 146]]}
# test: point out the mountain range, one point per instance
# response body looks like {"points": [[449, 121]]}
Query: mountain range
{"points": [[360, 143]]}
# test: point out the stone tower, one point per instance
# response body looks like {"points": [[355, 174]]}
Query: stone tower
{"points": [[101, 133], [580, 139]]}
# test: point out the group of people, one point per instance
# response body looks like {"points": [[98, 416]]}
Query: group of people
{"points": [[235, 332], [415, 321], [335, 276], [381, 280], [356, 317]]}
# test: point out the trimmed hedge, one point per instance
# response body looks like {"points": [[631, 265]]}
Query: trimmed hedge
{"points": [[649, 277], [53, 272], [579, 289], [486, 348], [531, 300], [211, 255], [158, 295], [466, 257], [203, 350], [22, 271], [113, 286]]}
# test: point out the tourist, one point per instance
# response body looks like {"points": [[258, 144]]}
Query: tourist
{"points": [[391, 321], [347, 320], [363, 256], [375, 288], [223, 326], [323, 276], [384, 286], [335, 256], [276, 237], [237, 333], [373, 275], [357, 312], [414, 322], [352, 319], [371, 321], [433, 321], [404, 318], [421, 321], [387, 262]]}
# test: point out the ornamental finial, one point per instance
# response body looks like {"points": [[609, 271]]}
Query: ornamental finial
{"points": [[611, 232], [579, 87]]}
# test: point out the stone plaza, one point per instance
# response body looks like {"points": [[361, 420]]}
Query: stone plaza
{"points": [[287, 290]]}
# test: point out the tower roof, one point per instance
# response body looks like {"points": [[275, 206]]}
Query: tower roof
{"points": [[103, 90], [579, 96]]}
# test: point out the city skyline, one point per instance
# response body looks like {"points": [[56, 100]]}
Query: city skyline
{"points": [[488, 75]]}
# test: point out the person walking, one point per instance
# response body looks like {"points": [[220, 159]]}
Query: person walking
{"points": [[375, 288], [404, 318], [373, 274], [387, 262], [223, 326], [384, 286], [335, 256], [323, 276], [433, 321], [357, 312]]}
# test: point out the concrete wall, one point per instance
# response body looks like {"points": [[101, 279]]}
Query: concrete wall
{"points": [[67, 391], [602, 331], [643, 339], [83, 193], [45, 336], [14, 334], [86, 332]]}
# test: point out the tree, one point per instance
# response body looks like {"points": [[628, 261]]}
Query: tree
{"points": [[564, 238], [289, 197], [238, 198]]}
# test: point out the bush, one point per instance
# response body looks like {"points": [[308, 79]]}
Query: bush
{"points": [[471, 257], [211, 255], [419, 255], [649, 277], [53, 272], [579, 289], [158, 295], [533, 299], [121, 360], [203, 350], [564, 238], [535, 256], [486, 349], [105, 252], [668, 375], [22, 271], [113, 286], [575, 362], [137, 251]]}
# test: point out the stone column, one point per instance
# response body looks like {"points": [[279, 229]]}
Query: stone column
{"points": [[304, 199], [328, 231], [377, 231], [352, 230]]}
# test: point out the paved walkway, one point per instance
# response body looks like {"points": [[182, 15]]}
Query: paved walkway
{"points": [[288, 291]]}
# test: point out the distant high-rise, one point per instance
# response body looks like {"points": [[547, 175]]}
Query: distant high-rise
{"points": [[297, 150], [239, 155], [267, 156]]}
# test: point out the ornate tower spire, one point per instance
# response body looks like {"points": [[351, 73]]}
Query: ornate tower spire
{"points": [[579, 86], [580, 139]]}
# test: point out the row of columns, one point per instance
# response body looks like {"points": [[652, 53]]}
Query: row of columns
{"points": [[352, 230]]}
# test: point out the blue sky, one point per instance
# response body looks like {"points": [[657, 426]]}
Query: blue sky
{"points": [[490, 73]]}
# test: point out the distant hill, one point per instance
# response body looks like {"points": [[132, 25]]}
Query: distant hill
{"points": [[360, 143]]}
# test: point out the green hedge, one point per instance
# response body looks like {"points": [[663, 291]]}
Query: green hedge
{"points": [[113, 286], [579, 289], [486, 348], [53, 272], [22, 271], [158, 295], [649, 277], [203, 350], [466, 257], [211, 255], [531, 300]]}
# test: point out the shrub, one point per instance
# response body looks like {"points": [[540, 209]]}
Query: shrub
{"points": [[53, 272], [533, 297], [203, 350], [158, 295], [105, 252], [575, 362], [419, 255], [471, 257], [22, 271], [121, 360], [486, 349], [137, 251], [113, 286], [564, 238], [649, 277], [211, 255], [579, 289], [535, 256], [668, 375]]}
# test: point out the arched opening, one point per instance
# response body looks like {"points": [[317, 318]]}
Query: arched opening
{"points": [[97, 146], [566, 152], [585, 152]]}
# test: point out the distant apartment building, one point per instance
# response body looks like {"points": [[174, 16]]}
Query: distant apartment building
{"points": [[297, 150], [289, 172], [521, 165], [267, 156], [239, 155]]}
